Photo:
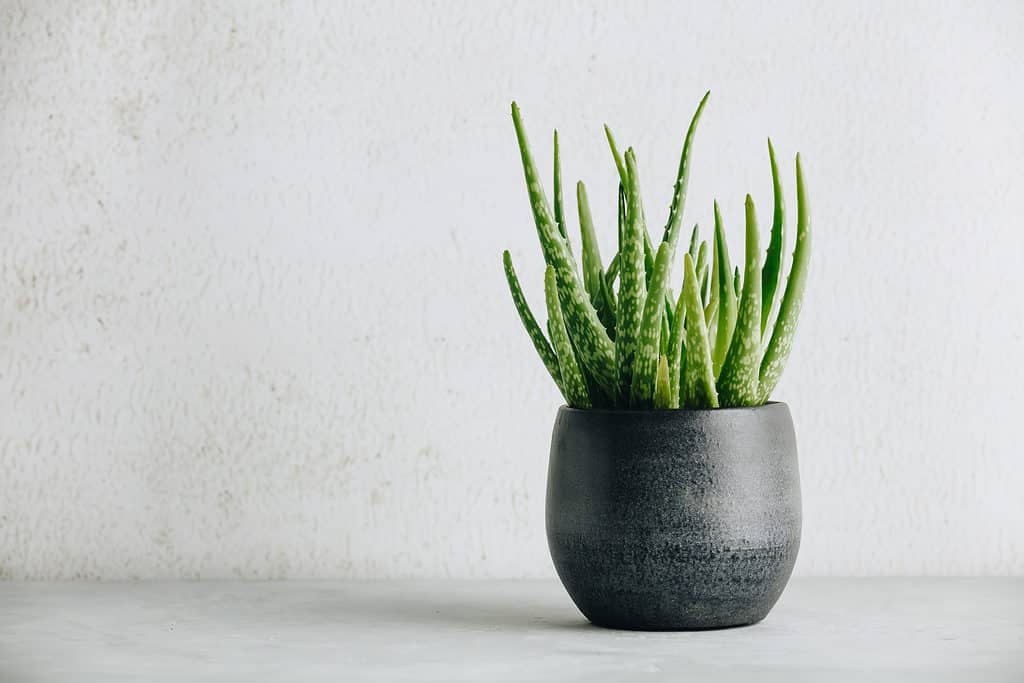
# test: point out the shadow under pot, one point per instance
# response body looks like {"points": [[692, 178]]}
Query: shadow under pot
{"points": [[674, 519]]}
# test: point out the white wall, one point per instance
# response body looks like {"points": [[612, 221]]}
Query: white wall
{"points": [[252, 314]]}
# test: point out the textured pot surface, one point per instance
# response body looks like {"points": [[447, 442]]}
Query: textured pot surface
{"points": [[675, 519]]}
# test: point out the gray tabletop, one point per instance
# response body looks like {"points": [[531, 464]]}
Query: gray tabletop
{"points": [[822, 630]]}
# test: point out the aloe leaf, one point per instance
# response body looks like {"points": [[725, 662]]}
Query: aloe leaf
{"points": [[606, 312], [789, 311], [772, 271], [701, 259], [575, 385], [675, 214], [694, 243], [713, 330], [645, 366], [705, 286], [676, 348], [666, 330], [607, 280], [632, 285], [624, 180], [613, 270], [620, 165], [540, 343], [559, 206], [737, 283], [738, 384], [648, 249], [591, 252], [701, 269], [726, 297], [670, 298], [621, 213], [595, 347], [597, 397], [648, 257], [662, 387], [711, 301], [595, 280], [698, 382]]}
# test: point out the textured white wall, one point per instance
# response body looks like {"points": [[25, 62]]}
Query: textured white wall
{"points": [[252, 315]]}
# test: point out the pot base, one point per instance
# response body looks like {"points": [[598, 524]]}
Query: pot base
{"points": [[670, 627], [671, 588]]}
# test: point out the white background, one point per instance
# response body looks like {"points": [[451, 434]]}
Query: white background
{"points": [[252, 315]]}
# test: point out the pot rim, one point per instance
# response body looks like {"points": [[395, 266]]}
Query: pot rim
{"points": [[668, 411]]}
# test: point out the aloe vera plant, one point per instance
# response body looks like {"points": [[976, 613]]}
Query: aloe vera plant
{"points": [[616, 336]]}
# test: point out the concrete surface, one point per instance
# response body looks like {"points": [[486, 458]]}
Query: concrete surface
{"points": [[835, 630]]}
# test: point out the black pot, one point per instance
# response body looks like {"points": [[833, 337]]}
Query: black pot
{"points": [[674, 519]]}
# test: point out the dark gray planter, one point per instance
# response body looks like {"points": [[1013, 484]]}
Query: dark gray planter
{"points": [[674, 519]]}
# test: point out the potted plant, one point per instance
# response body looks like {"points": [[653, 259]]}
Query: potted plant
{"points": [[673, 497]]}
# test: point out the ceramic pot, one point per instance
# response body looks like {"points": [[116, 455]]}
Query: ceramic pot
{"points": [[674, 519]]}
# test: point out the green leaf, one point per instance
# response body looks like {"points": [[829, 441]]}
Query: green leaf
{"points": [[648, 249], [597, 397], [698, 383], [620, 165], [705, 286], [789, 312], [645, 366], [624, 180], [773, 259], [613, 270], [713, 327], [676, 350], [595, 347], [544, 350], [575, 385], [606, 311], [726, 296], [632, 285], [669, 308], [662, 388], [711, 301], [738, 384], [621, 214], [559, 211], [694, 241], [702, 270], [591, 252], [666, 330], [594, 279], [675, 214]]}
